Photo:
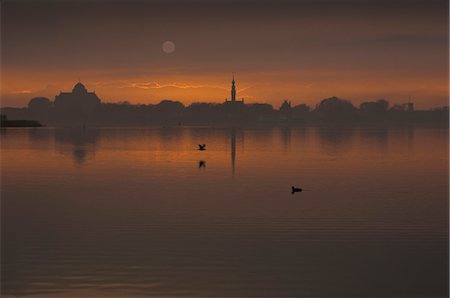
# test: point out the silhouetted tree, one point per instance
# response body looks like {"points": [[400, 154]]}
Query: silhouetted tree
{"points": [[168, 112], [334, 108], [373, 110], [39, 104], [198, 112], [260, 111], [83, 107], [39, 108], [374, 107], [300, 112], [169, 106]]}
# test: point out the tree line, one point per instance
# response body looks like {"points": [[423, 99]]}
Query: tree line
{"points": [[168, 112]]}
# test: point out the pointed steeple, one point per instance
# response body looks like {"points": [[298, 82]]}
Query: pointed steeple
{"points": [[233, 90]]}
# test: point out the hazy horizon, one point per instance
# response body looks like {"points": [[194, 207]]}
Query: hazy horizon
{"points": [[313, 197], [302, 51], [275, 103]]}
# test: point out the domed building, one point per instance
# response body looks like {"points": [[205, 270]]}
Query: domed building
{"points": [[77, 101]]}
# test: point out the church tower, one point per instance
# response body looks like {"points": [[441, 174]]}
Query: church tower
{"points": [[233, 90]]}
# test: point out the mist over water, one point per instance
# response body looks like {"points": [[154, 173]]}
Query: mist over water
{"points": [[133, 212]]}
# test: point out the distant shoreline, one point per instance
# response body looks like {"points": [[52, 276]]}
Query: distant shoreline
{"points": [[33, 124], [19, 123], [83, 108]]}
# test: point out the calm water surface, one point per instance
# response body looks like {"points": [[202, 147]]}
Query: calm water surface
{"points": [[133, 212]]}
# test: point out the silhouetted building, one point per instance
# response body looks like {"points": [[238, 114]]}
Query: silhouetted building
{"points": [[78, 101], [397, 108], [410, 107], [405, 107], [233, 90], [286, 110], [233, 95]]}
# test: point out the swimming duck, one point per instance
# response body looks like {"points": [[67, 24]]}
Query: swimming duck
{"points": [[295, 189]]}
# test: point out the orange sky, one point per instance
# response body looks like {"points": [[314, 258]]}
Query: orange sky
{"points": [[296, 50], [297, 86]]}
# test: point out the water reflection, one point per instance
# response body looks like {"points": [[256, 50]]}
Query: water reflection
{"points": [[170, 134], [410, 137], [201, 164], [286, 137], [233, 150], [376, 136], [41, 135], [335, 141], [141, 220], [78, 142]]}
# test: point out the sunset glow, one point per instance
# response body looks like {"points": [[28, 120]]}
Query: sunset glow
{"points": [[301, 51], [224, 148]]}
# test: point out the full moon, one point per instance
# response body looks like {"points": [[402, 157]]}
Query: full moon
{"points": [[168, 47]]}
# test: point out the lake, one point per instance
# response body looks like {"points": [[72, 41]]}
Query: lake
{"points": [[137, 212]]}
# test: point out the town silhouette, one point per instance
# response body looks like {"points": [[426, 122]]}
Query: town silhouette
{"points": [[81, 107], [194, 148]]}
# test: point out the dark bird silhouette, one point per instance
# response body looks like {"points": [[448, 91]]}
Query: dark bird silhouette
{"points": [[295, 189], [201, 164], [201, 147]]}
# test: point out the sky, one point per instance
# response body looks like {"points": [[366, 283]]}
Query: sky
{"points": [[303, 51]]}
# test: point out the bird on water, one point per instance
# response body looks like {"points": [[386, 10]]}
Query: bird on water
{"points": [[295, 189]]}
